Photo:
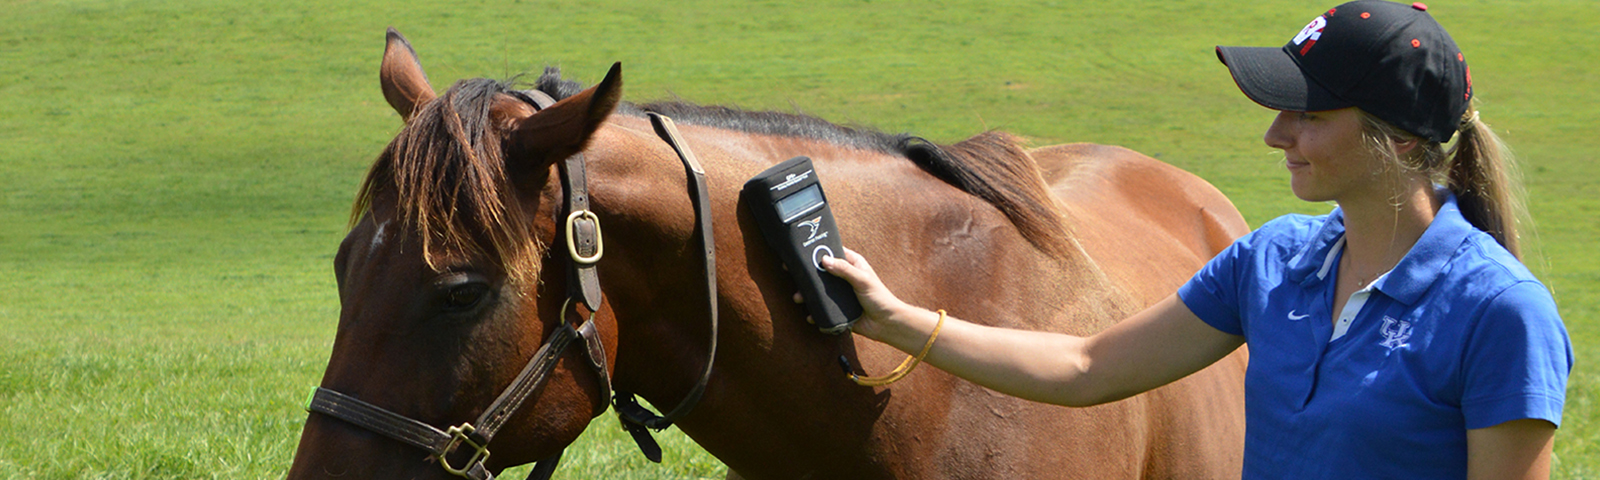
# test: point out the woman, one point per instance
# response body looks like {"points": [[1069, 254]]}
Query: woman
{"points": [[1397, 336]]}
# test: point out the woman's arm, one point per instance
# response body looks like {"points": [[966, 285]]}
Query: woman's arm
{"points": [[1152, 348], [1518, 449]]}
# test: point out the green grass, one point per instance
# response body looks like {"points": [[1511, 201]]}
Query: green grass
{"points": [[175, 176]]}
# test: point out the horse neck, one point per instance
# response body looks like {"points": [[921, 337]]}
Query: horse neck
{"points": [[916, 229]]}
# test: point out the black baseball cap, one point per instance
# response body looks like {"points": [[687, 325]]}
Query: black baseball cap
{"points": [[1391, 60]]}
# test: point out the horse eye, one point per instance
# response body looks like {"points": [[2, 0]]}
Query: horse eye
{"points": [[465, 297]]}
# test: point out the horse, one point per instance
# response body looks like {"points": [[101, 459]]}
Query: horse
{"points": [[456, 270]]}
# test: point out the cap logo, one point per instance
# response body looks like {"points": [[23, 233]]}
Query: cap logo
{"points": [[1308, 36]]}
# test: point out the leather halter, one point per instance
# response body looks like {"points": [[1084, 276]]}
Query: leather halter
{"points": [[585, 247]]}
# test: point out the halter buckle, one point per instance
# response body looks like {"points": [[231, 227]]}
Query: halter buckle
{"points": [[462, 435], [599, 243]]}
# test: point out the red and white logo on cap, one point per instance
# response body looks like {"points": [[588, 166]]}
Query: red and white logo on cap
{"points": [[1308, 36]]}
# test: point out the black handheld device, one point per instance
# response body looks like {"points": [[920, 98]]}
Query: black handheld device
{"points": [[789, 206]]}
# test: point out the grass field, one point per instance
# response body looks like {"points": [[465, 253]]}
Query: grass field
{"points": [[175, 175]]}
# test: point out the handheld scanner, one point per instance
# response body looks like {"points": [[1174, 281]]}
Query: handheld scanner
{"points": [[793, 214]]}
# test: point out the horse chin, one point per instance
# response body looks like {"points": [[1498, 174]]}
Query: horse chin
{"points": [[540, 430], [330, 448]]}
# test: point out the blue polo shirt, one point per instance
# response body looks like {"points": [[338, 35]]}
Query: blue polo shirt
{"points": [[1458, 336]]}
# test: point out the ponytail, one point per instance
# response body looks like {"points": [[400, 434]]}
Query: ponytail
{"points": [[1478, 169], [1488, 185]]}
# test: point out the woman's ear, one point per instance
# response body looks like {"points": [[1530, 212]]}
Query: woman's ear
{"points": [[1403, 147]]}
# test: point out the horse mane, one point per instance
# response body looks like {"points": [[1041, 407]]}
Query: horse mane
{"points": [[991, 165], [447, 172]]}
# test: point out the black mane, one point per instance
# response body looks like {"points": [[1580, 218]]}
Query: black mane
{"points": [[757, 122]]}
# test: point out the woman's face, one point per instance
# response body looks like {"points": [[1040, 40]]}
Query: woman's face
{"points": [[1325, 155]]}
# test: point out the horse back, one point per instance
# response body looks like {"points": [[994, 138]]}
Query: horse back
{"points": [[1147, 224]]}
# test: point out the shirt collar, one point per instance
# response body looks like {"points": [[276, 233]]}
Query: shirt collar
{"points": [[1412, 276], [1426, 260], [1306, 266]]}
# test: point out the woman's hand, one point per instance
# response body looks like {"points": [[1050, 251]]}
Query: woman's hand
{"points": [[877, 302]]}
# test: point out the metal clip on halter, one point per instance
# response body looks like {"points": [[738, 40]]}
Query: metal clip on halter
{"points": [[460, 435]]}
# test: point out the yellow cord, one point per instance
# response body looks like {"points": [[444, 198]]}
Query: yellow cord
{"points": [[906, 366]]}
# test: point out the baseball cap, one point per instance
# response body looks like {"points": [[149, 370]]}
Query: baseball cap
{"points": [[1391, 60]]}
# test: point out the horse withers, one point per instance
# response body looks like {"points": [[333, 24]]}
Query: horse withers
{"points": [[456, 273]]}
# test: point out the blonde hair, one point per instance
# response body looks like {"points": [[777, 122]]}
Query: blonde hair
{"points": [[1478, 168]]}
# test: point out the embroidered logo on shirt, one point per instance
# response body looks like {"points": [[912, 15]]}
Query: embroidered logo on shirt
{"points": [[1395, 333], [1296, 318]]}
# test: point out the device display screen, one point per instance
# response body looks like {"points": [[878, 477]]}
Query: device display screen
{"points": [[801, 202]]}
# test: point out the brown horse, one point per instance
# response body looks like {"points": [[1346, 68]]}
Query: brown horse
{"points": [[454, 274]]}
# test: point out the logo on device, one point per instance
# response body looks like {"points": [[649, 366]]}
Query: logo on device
{"points": [[814, 224], [791, 179]]}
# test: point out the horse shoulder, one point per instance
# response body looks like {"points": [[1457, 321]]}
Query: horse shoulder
{"points": [[1149, 226]]}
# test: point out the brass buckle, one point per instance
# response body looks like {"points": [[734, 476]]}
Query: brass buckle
{"points": [[599, 244], [458, 436]]}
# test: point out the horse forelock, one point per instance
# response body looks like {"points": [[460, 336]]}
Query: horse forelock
{"points": [[447, 175]]}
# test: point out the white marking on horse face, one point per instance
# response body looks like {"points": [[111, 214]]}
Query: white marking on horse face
{"points": [[377, 239]]}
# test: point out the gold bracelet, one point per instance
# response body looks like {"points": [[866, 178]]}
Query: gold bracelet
{"points": [[906, 366]]}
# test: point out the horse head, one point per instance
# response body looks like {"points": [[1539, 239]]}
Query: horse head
{"points": [[442, 278]]}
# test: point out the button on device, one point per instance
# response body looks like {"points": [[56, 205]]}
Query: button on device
{"points": [[817, 254]]}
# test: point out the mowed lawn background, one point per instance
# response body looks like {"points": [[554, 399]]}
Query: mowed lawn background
{"points": [[175, 176]]}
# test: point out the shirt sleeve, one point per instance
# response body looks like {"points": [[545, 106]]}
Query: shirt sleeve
{"points": [[1517, 362], [1213, 293]]}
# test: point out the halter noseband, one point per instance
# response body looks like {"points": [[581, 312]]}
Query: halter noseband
{"points": [[585, 247]]}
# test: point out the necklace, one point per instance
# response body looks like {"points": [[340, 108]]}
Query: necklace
{"points": [[1361, 281]]}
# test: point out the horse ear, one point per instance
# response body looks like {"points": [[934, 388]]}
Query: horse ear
{"points": [[564, 128], [405, 86]]}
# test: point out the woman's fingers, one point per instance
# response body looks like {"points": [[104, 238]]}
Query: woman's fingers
{"points": [[876, 299], [856, 259], [853, 268]]}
